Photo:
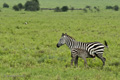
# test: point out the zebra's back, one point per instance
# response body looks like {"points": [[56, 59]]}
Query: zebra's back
{"points": [[95, 48], [91, 47]]}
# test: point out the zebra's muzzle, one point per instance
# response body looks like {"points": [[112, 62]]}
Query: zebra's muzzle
{"points": [[57, 45]]}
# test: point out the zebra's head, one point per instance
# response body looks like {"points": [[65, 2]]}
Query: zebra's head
{"points": [[62, 40]]}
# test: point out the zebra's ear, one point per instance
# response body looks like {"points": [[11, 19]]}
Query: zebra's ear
{"points": [[62, 34]]}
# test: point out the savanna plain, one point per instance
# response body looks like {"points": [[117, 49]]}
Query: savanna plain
{"points": [[29, 52]]}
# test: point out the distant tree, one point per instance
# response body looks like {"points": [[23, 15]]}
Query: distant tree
{"points": [[64, 8], [5, 5], [116, 7], [16, 8], [20, 6], [57, 9], [32, 5]]}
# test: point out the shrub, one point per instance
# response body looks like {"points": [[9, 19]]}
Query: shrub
{"points": [[5, 5], [20, 6], [32, 5], [16, 8], [64, 8], [116, 8]]}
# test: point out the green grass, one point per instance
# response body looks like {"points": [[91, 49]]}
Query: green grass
{"points": [[29, 51]]}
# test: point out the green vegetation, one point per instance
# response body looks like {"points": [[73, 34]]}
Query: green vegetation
{"points": [[29, 52], [64, 8], [20, 5], [16, 8], [116, 7], [5, 5], [32, 5]]}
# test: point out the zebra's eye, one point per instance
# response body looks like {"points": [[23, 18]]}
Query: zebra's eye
{"points": [[60, 40]]}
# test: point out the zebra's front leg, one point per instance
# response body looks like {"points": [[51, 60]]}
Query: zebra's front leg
{"points": [[76, 61], [72, 61]]}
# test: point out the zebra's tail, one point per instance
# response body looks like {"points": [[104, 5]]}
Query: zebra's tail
{"points": [[105, 42]]}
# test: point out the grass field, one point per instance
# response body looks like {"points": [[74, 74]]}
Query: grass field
{"points": [[29, 52]]}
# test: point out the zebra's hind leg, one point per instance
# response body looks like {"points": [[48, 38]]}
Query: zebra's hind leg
{"points": [[85, 62], [100, 56], [73, 59]]}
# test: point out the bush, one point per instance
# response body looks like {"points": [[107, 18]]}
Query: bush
{"points": [[32, 5], [16, 8], [116, 8], [20, 6], [64, 8], [5, 5]]}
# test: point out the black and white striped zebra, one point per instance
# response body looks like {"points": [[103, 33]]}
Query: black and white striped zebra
{"points": [[77, 52], [93, 48]]}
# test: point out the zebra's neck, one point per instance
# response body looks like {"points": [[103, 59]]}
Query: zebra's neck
{"points": [[71, 43]]}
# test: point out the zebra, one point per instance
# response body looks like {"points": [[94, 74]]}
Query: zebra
{"points": [[93, 48], [82, 53]]}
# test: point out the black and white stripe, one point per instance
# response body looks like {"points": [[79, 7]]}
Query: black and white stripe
{"points": [[91, 47]]}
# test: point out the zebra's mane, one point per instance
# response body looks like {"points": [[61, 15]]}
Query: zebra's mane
{"points": [[69, 36]]}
